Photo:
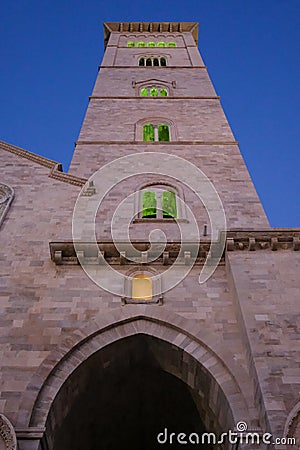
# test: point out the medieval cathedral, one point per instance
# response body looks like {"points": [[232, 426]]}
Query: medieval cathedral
{"points": [[145, 300]]}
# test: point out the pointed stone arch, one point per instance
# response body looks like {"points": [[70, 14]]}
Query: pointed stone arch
{"points": [[200, 353]]}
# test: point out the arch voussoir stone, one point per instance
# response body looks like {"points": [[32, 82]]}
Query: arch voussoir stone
{"points": [[198, 356]]}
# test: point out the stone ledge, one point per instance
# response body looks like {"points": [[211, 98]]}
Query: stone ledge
{"points": [[273, 239], [157, 143], [30, 433], [63, 252]]}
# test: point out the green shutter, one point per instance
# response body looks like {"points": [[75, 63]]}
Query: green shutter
{"points": [[163, 93], [148, 133], [171, 44], [149, 204], [130, 44], [151, 44], [141, 44], [163, 133], [161, 44], [168, 204]]}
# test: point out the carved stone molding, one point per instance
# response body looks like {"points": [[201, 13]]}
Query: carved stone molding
{"points": [[273, 240], [63, 253], [6, 197], [8, 440]]}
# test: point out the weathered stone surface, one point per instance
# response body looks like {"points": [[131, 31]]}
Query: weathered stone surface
{"points": [[233, 340]]}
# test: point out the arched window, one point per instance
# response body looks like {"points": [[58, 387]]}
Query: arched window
{"points": [[163, 133], [151, 44], [171, 44], [141, 287], [141, 44], [148, 132], [130, 44], [168, 204], [144, 92], [159, 203], [157, 133], [154, 92], [149, 204], [161, 44], [152, 61]]}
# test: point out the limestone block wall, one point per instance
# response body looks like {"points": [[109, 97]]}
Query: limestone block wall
{"points": [[222, 164], [267, 291], [118, 82]]}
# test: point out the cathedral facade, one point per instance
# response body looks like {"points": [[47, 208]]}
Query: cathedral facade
{"points": [[145, 299]]}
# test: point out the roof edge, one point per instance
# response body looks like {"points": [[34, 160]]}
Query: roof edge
{"points": [[56, 171], [150, 27]]}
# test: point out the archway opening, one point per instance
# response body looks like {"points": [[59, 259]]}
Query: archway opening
{"points": [[122, 397]]}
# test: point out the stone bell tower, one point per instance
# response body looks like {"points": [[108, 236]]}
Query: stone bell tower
{"points": [[107, 341]]}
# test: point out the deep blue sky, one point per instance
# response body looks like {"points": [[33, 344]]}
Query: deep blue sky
{"points": [[50, 51]]}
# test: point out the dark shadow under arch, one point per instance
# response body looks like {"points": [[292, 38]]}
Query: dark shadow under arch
{"points": [[191, 355], [123, 397]]}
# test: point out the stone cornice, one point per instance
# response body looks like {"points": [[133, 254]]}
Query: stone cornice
{"points": [[273, 239], [157, 143], [150, 27], [138, 97], [288, 239], [149, 68], [55, 168]]}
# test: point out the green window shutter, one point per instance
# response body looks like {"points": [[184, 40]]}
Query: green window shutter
{"points": [[151, 44], [141, 44], [161, 44], [130, 44], [163, 93], [168, 204], [154, 92], [149, 204], [144, 92], [163, 133], [148, 133], [171, 44]]}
